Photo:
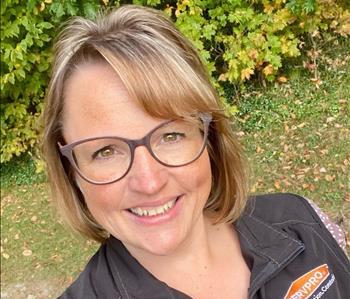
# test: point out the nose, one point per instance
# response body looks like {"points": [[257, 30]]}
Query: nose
{"points": [[146, 175]]}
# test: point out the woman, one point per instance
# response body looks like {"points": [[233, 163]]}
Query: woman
{"points": [[142, 159]]}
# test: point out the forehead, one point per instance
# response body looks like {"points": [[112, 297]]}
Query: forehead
{"points": [[91, 88], [96, 103]]}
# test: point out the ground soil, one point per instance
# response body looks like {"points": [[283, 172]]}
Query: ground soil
{"points": [[33, 290]]}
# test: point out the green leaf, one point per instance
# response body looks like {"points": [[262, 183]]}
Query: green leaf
{"points": [[309, 6], [11, 78], [57, 9], [89, 10], [153, 2], [72, 10], [45, 25], [21, 73]]}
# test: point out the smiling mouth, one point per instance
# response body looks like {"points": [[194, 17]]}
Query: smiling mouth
{"points": [[153, 211]]}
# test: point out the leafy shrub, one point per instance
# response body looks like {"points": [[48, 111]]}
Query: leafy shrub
{"points": [[237, 39], [27, 29]]}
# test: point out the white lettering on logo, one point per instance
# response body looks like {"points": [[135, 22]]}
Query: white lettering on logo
{"points": [[325, 288]]}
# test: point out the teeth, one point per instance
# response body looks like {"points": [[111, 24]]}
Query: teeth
{"points": [[153, 211]]}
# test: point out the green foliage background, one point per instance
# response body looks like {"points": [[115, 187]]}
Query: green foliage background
{"points": [[238, 40]]}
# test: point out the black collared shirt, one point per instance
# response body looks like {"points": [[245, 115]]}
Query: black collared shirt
{"points": [[289, 251]]}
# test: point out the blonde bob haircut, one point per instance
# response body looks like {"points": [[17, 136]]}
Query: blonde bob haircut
{"points": [[162, 72]]}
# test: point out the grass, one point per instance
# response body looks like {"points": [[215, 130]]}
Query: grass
{"points": [[297, 138], [20, 171], [36, 248], [34, 244]]}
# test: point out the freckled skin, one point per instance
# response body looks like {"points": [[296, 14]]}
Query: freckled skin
{"points": [[97, 104]]}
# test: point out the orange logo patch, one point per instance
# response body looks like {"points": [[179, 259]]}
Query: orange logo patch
{"points": [[306, 285]]}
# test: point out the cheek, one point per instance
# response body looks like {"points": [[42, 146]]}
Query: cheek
{"points": [[205, 175], [101, 198], [197, 178]]}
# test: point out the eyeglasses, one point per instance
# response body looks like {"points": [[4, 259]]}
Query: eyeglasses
{"points": [[104, 160]]}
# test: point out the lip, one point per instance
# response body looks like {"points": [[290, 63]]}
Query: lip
{"points": [[156, 203], [157, 219]]}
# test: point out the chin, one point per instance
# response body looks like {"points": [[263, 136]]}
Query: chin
{"points": [[161, 244]]}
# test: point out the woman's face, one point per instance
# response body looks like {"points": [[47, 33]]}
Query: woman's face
{"points": [[97, 104]]}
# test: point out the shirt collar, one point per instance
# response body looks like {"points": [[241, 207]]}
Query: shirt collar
{"points": [[267, 249]]}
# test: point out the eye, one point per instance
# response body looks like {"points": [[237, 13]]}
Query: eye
{"points": [[105, 152], [172, 137]]}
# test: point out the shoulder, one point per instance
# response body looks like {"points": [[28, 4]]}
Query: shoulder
{"points": [[272, 220], [95, 281], [284, 207], [292, 210], [279, 207]]}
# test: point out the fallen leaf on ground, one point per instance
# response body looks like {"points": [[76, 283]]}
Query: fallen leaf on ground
{"points": [[277, 185], [282, 79], [27, 252], [329, 178], [330, 119], [259, 149]]}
